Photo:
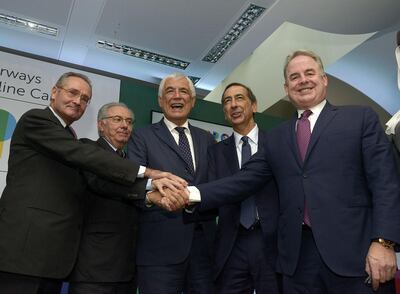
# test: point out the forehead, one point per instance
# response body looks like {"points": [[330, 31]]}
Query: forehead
{"points": [[235, 90], [176, 83], [302, 62], [77, 83], [119, 110]]}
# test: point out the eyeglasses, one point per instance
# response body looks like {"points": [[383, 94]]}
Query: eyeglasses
{"points": [[74, 93], [119, 119]]}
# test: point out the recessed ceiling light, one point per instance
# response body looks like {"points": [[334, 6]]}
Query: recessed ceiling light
{"points": [[28, 24], [143, 54], [236, 30]]}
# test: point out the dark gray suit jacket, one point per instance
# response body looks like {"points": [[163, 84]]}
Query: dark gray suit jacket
{"points": [[41, 208]]}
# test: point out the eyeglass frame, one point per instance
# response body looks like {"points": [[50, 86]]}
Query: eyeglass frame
{"points": [[82, 97], [117, 119]]}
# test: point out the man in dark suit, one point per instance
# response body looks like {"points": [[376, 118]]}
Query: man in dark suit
{"points": [[172, 256], [41, 208], [245, 251], [106, 258], [338, 188]]}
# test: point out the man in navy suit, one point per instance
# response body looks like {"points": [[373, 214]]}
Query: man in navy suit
{"points": [[339, 197], [245, 253], [172, 256]]}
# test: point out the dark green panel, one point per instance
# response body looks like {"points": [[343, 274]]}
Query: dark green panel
{"points": [[142, 99]]}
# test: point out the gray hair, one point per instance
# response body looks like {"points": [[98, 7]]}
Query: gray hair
{"points": [[61, 80], [103, 111], [176, 75], [302, 52]]}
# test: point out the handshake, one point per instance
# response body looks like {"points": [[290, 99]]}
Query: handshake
{"points": [[169, 191]]}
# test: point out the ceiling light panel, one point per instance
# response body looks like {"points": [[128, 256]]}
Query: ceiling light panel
{"points": [[143, 54], [247, 18], [28, 24]]}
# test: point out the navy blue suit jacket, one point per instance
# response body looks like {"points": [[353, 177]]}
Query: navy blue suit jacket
{"points": [[163, 238], [348, 178], [223, 162]]}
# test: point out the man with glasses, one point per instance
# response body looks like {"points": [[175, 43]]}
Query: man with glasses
{"points": [[106, 258], [41, 208]]}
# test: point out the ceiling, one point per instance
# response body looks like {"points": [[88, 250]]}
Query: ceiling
{"points": [[342, 30]]}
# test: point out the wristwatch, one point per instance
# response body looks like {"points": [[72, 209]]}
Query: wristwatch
{"points": [[385, 243]]}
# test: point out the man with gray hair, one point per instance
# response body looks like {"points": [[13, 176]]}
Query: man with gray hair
{"points": [[106, 258], [173, 257], [42, 205]]}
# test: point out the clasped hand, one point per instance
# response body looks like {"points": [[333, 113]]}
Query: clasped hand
{"points": [[169, 191]]}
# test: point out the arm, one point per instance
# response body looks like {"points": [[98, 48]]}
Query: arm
{"points": [[383, 181], [49, 138]]}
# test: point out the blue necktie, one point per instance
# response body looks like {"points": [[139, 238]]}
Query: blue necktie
{"points": [[248, 208], [185, 149]]}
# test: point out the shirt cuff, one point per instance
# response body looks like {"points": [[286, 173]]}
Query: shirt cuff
{"points": [[141, 171], [149, 186], [194, 194]]}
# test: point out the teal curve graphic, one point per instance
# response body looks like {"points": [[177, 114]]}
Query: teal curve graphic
{"points": [[7, 126]]}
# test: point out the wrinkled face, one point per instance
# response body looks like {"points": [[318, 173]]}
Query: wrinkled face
{"points": [[68, 101], [176, 101], [305, 82], [117, 127], [238, 108]]}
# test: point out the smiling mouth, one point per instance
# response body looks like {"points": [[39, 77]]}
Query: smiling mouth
{"points": [[177, 105], [305, 90]]}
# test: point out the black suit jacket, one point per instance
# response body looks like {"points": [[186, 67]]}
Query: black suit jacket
{"points": [[41, 208], [223, 162], [163, 238], [108, 244]]}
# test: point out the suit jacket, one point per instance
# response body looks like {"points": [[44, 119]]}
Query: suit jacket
{"points": [[41, 208], [163, 239], [348, 179], [108, 245], [223, 162]]}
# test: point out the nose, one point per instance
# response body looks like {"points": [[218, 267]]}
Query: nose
{"points": [[303, 79], [233, 103]]}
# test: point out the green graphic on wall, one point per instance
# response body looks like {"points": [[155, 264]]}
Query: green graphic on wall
{"points": [[7, 126]]}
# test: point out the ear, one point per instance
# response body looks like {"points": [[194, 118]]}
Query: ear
{"points": [[159, 101], [325, 79], [100, 125], [285, 87], [254, 107], [193, 101], [53, 93]]}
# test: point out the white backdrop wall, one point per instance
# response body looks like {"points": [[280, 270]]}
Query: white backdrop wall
{"points": [[26, 83]]}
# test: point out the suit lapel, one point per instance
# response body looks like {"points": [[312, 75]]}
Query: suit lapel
{"points": [[162, 132], [325, 117], [230, 154], [291, 135], [197, 145], [104, 144]]}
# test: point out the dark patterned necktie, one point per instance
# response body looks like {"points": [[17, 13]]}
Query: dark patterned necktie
{"points": [[71, 131], [303, 135], [248, 208], [121, 153], [185, 149]]}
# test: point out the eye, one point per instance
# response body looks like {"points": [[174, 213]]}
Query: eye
{"points": [[227, 100], [117, 119]]}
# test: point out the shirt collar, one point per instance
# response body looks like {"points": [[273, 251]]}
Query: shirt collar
{"points": [[252, 135], [62, 122], [316, 110], [171, 126]]}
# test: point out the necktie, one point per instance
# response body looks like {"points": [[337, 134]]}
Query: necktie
{"points": [[303, 138], [248, 208], [121, 153], [185, 149], [71, 131]]}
